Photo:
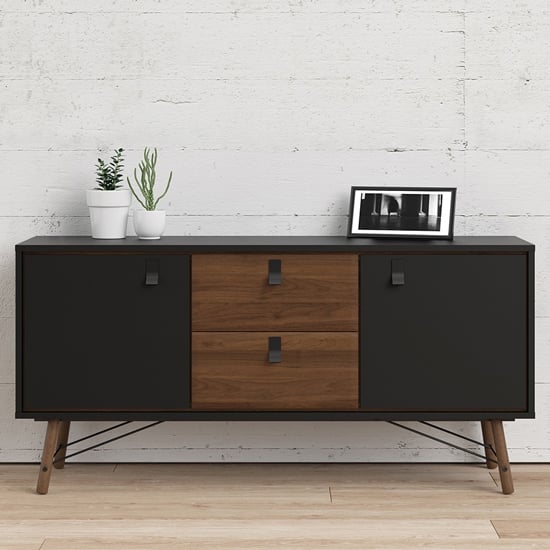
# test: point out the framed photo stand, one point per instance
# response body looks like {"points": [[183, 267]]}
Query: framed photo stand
{"points": [[402, 212]]}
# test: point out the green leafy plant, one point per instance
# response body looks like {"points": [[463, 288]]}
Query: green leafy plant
{"points": [[109, 175], [147, 179]]}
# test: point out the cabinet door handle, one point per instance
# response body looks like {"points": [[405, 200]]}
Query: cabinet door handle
{"points": [[152, 268], [275, 354], [397, 273], [274, 277]]}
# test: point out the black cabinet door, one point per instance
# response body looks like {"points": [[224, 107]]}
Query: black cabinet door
{"points": [[444, 332], [105, 332]]}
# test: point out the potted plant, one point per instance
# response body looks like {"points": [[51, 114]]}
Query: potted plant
{"points": [[108, 202], [149, 223]]}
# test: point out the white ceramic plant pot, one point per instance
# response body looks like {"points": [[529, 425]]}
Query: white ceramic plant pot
{"points": [[149, 224], [109, 212]]}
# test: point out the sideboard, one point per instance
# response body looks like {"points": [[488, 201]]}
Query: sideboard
{"points": [[275, 328]]}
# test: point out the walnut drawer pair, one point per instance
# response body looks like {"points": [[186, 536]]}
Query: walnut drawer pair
{"points": [[310, 312]]}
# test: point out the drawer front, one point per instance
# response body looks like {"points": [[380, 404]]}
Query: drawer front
{"points": [[317, 292], [317, 371]]}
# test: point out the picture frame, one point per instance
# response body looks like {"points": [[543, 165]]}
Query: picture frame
{"points": [[402, 212]]}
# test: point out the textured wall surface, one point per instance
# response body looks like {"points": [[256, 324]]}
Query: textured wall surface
{"points": [[268, 111]]}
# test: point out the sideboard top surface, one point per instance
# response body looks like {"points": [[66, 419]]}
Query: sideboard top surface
{"points": [[275, 243]]}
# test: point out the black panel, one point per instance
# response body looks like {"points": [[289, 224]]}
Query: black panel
{"points": [[271, 244], [96, 336], [453, 337]]}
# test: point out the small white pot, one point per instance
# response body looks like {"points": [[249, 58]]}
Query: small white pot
{"points": [[149, 224], [109, 212]]}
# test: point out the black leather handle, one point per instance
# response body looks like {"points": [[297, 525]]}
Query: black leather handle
{"points": [[275, 354], [397, 272], [274, 276], [152, 269]]}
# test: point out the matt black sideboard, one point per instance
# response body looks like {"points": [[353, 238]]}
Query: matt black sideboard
{"points": [[275, 328]]}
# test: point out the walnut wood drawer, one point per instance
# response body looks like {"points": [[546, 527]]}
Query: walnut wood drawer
{"points": [[318, 292], [318, 371]]}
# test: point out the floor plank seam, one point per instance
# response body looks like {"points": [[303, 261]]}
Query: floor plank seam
{"points": [[496, 531]]}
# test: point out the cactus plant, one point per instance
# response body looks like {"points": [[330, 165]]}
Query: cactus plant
{"points": [[146, 182]]}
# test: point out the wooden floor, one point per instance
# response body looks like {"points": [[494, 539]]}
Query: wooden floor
{"points": [[268, 506]]}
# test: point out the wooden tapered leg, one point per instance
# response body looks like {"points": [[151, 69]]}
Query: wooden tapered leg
{"points": [[502, 453], [62, 438], [46, 465], [488, 439]]}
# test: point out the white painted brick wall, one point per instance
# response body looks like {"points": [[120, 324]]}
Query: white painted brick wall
{"points": [[275, 108]]}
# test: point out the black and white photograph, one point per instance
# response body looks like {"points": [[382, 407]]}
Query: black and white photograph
{"points": [[426, 212]]}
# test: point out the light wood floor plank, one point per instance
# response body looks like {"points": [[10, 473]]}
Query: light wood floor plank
{"points": [[22, 544], [523, 529], [215, 511], [262, 529], [294, 473]]}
